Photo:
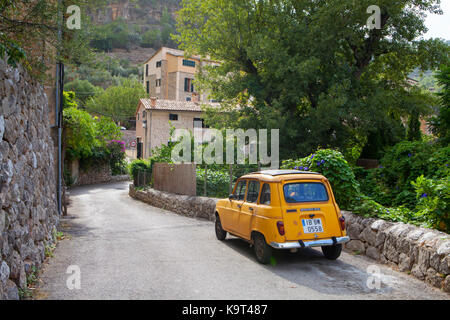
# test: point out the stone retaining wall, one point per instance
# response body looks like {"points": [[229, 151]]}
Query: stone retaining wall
{"points": [[424, 253], [93, 175], [28, 213], [190, 206]]}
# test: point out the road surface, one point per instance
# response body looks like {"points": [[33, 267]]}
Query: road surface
{"points": [[125, 249]]}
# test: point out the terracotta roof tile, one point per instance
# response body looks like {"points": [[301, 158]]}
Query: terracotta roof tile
{"points": [[173, 105]]}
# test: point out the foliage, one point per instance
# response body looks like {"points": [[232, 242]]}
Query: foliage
{"points": [[390, 184], [69, 100], [118, 102], [83, 89], [369, 208], [80, 133], [106, 130], [217, 183], [331, 87], [29, 31], [92, 140], [335, 168], [116, 34], [140, 166], [441, 122], [433, 202], [116, 150]]}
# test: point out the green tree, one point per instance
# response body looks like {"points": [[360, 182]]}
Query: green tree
{"points": [[118, 102], [29, 32], [310, 68], [80, 133], [83, 90], [441, 122]]}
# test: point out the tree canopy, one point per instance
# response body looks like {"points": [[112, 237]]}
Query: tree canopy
{"points": [[312, 68], [118, 102]]}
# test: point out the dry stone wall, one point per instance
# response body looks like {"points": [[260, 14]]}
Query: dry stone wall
{"points": [[424, 253], [190, 206], [28, 213]]}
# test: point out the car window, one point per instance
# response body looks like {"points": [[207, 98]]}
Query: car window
{"points": [[265, 194], [305, 192], [240, 190], [253, 191]]}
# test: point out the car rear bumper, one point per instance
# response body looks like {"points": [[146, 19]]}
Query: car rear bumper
{"points": [[310, 244]]}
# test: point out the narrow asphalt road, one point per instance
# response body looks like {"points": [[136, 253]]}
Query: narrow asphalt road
{"points": [[126, 249]]}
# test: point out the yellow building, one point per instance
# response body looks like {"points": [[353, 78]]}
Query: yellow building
{"points": [[169, 75]]}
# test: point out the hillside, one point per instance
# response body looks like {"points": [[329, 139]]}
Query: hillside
{"points": [[125, 33], [134, 29]]}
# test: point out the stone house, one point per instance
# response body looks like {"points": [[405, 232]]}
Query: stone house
{"points": [[154, 118], [169, 75]]}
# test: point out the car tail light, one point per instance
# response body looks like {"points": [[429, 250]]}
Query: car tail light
{"points": [[280, 226], [342, 223]]}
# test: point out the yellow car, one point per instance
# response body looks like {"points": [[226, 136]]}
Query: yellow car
{"points": [[283, 209]]}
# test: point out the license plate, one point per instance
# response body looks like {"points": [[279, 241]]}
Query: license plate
{"points": [[312, 225]]}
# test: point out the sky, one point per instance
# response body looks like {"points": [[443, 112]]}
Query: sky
{"points": [[439, 25]]}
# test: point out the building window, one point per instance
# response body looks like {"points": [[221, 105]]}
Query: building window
{"points": [[148, 87], [173, 117], [188, 63], [146, 70], [200, 123], [158, 64], [158, 82], [188, 85]]}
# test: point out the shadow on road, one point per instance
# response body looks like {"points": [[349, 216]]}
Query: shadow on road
{"points": [[310, 268]]}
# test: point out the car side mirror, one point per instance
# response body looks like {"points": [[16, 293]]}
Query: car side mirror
{"points": [[232, 197]]}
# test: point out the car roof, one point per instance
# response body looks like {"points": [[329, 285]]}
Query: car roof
{"points": [[279, 175]]}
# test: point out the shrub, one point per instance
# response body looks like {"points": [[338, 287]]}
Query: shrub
{"points": [[433, 207], [331, 164], [218, 183], [80, 133], [140, 166], [116, 150], [390, 184]]}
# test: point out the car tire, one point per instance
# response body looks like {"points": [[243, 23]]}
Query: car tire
{"points": [[332, 252], [263, 251], [220, 233]]}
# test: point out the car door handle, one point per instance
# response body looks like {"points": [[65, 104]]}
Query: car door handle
{"points": [[239, 206], [251, 209]]}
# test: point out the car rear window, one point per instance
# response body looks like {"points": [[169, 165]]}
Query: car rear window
{"points": [[305, 192]]}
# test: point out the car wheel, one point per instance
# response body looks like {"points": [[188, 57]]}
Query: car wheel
{"points": [[263, 251], [332, 252], [220, 233]]}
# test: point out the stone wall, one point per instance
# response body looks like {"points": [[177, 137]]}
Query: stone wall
{"points": [[194, 207], [94, 175], [424, 253], [28, 212]]}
